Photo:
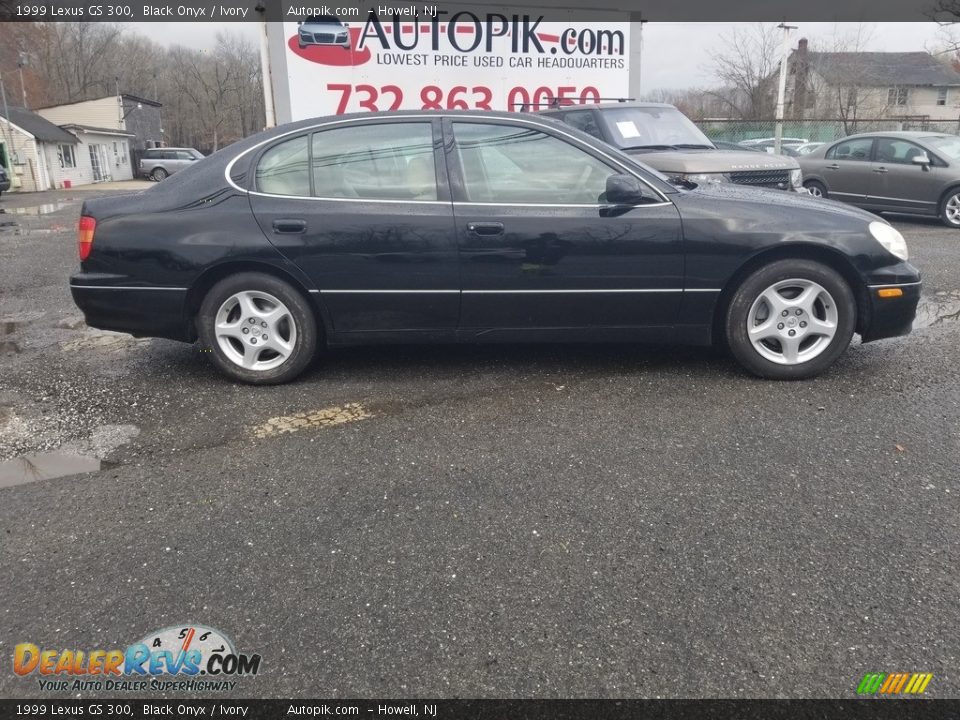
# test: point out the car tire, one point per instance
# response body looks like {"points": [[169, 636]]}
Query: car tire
{"points": [[821, 315], [247, 310], [158, 174], [816, 188], [949, 211]]}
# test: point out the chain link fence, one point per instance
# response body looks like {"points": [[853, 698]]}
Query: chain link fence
{"points": [[817, 130]]}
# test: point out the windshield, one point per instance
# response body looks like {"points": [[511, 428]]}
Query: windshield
{"points": [[949, 145], [653, 127]]}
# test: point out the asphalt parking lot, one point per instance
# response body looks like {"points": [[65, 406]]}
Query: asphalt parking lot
{"points": [[495, 521]]}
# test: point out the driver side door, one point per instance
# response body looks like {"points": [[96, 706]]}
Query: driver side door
{"points": [[539, 248]]}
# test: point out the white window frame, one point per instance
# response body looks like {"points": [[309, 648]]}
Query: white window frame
{"points": [[63, 152], [943, 95], [898, 96]]}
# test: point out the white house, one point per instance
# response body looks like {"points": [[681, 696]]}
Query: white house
{"points": [[30, 146], [856, 85], [103, 154]]}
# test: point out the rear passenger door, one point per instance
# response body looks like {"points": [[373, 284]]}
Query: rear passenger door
{"points": [[364, 209], [848, 170]]}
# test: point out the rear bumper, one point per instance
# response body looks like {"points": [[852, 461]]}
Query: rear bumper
{"points": [[140, 311], [891, 316]]}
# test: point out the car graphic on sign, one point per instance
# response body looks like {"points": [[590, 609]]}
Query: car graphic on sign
{"points": [[323, 30]]}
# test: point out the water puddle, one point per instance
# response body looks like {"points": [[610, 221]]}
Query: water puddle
{"points": [[9, 347], [937, 308], [45, 466]]}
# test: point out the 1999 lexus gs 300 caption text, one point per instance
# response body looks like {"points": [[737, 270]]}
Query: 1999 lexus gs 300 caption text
{"points": [[479, 227]]}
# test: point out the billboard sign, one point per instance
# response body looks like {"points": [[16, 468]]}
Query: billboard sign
{"points": [[434, 60]]}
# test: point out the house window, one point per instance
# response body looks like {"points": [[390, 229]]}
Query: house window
{"points": [[941, 96], [66, 156], [898, 96]]}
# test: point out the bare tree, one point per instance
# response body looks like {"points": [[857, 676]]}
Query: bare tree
{"points": [[209, 98], [745, 64]]}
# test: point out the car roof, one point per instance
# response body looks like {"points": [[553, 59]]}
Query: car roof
{"points": [[917, 134], [608, 105]]}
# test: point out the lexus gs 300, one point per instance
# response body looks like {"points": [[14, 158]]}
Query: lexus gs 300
{"points": [[479, 227]]}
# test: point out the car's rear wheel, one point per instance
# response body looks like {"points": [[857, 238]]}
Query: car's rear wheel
{"points": [[950, 208], [257, 328], [791, 320], [816, 188], [158, 174]]}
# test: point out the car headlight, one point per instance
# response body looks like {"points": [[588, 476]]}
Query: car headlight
{"points": [[890, 238], [704, 177], [796, 179], [342, 36]]}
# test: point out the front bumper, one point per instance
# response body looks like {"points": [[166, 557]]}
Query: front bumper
{"points": [[107, 304], [891, 316]]}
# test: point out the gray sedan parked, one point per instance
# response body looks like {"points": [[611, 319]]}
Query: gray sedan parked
{"points": [[905, 172]]}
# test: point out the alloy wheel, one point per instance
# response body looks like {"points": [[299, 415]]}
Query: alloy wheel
{"points": [[255, 330], [952, 209], [792, 321]]}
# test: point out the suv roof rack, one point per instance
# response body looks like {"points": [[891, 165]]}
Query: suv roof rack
{"points": [[564, 102]]}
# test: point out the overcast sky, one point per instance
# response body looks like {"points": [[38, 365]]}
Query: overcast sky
{"points": [[675, 55]]}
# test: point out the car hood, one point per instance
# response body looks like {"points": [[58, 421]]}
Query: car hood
{"points": [[712, 161], [771, 201]]}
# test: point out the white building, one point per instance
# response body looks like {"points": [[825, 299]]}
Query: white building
{"points": [[102, 155], [855, 85], [31, 148]]}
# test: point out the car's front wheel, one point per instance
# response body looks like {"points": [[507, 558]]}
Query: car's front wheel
{"points": [[791, 319], [950, 208], [257, 328], [816, 188]]}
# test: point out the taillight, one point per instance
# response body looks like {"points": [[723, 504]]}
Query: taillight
{"points": [[85, 236]]}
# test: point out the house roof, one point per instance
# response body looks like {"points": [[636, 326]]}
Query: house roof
{"points": [[102, 131], [41, 128], [142, 101], [884, 69]]}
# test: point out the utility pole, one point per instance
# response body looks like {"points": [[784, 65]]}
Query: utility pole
{"points": [[22, 61], [6, 123], [778, 132]]}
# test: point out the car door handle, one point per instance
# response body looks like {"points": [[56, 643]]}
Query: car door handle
{"points": [[833, 167], [485, 228], [880, 169], [290, 226]]}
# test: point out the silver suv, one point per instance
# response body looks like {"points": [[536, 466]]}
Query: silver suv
{"points": [[665, 139], [158, 163]]}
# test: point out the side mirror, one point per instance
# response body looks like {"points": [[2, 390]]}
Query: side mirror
{"points": [[922, 159], [624, 190]]}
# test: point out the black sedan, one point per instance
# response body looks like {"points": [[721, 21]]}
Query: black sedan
{"points": [[479, 227]]}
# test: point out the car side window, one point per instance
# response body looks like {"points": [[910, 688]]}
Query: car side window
{"points": [[514, 164], [283, 169], [898, 152], [184, 155], [857, 149], [583, 120], [387, 161]]}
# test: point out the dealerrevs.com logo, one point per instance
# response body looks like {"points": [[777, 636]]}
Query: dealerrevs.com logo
{"points": [[183, 657]]}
